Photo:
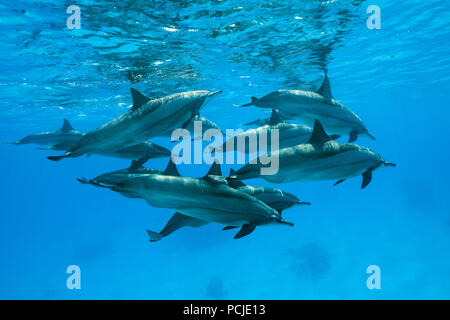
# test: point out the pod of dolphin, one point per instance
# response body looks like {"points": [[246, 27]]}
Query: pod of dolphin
{"points": [[305, 154]]}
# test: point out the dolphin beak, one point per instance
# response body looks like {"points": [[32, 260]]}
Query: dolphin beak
{"points": [[370, 136], [214, 93], [303, 203], [83, 180], [285, 222], [390, 164]]}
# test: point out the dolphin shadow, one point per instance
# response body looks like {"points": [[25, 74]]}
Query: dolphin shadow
{"points": [[215, 289], [93, 251], [311, 261]]}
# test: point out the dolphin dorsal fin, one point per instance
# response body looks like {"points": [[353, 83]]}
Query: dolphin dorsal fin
{"points": [[318, 135], [138, 99], [66, 126], [215, 169], [325, 88], [171, 169], [275, 118], [135, 164]]}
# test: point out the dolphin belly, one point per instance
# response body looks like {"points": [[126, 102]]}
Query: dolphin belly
{"points": [[197, 198], [220, 216]]}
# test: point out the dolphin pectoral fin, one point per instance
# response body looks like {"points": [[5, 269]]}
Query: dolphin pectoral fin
{"points": [[56, 158], [154, 236], [352, 136], [338, 182], [367, 177], [229, 228], [245, 230]]}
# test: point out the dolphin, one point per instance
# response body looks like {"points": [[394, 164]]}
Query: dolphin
{"points": [[146, 119], [65, 135], [144, 150], [274, 198], [290, 134], [208, 198], [136, 168], [319, 159], [308, 106]]}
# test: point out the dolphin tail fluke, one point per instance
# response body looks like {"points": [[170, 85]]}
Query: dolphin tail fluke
{"points": [[245, 231], [254, 100], [154, 236]]}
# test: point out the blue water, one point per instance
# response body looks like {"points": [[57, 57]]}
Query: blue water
{"points": [[396, 78]]}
